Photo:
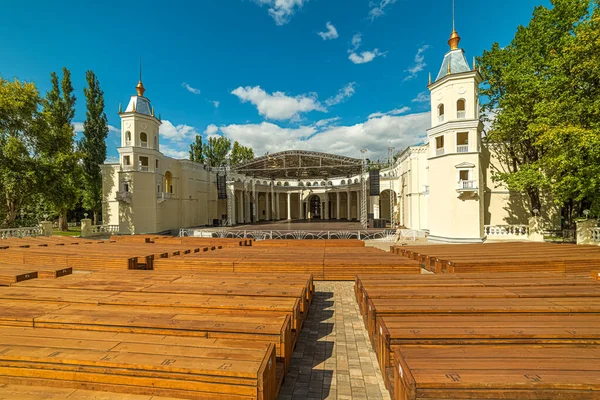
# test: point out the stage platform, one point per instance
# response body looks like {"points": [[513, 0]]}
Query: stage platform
{"points": [[303, 225]]}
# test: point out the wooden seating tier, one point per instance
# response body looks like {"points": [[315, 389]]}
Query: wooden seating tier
{"points": [[485, 318], [504, 257]]}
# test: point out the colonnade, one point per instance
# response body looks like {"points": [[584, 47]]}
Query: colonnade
{"points": [[276, 204]]}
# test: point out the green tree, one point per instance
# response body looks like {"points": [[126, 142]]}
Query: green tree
{"points": [[93, 145], [59, 156], [215, 152], [518, 84], [241, 154], [196, 150], [22, 131]]}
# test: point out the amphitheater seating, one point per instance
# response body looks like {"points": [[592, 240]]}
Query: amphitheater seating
{"points": [[485, 318], [504, 257]]}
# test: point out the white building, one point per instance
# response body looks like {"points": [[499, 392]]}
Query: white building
{"points": [[443, 187]]}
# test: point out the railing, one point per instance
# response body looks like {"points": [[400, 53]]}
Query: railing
{"points": [[21, 232], [462, 148], [439, 152], [595, 235], [127, 143], [103, 229], [441, 119], [467, 185], [561, 235], [162, 196], [143, 168], [387, 235], [461, 114], [69, 224], [124, 196], [506, 232], [144, 144]]}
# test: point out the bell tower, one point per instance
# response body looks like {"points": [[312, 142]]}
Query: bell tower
{"points": [[140, 147], [456, 199]]}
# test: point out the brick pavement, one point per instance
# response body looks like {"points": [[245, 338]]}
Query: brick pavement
{"points": [[333, 358]]}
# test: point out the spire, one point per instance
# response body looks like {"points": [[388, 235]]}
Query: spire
{"points": [[120, 108], [454, 38], [140, 86]]}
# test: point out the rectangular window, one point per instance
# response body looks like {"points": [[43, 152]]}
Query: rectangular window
{"points": [[156, 164], [439, 142], [126, 160], [462, 142], [144, 164], [464, 175]]}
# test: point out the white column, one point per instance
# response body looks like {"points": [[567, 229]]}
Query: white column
{"points": [[337, 209], [300, 205], [231, 198], [277, 205], [247, 199], [326, 211], [358, 207], [241, 205], [348, 204], [267, 208], [289, 206]]}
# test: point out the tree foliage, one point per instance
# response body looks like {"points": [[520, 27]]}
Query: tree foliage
{"points": [[241, 154], [196, 150], [93, 144], [215, 152], [22, 131], [542, 91], [60, 161]]}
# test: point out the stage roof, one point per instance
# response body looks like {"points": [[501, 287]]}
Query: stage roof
{"points": [[299, 164]]}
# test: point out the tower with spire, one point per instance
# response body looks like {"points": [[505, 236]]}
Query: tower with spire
{"points": [[456, 202]]}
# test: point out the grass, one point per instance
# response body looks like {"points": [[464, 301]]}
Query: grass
{"points": [[74, 231]]}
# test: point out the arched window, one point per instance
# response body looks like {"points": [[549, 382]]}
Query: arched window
{"points": [[461, 109], [343, 181], [286, 184], [316, 184], [278, 183], [168, 182], [323, 183], [356, 181], [300, 184], [441, 113], [330, 183], [307, 183], [144, 139], [127, 138]]}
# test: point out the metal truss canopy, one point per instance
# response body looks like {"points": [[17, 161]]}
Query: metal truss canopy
{"points": [[298, 164]]}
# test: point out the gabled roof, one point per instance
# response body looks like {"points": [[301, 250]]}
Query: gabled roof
{"points": [[465, 165]]}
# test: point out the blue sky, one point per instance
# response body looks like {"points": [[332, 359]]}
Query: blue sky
{"points": [[328, 75]]}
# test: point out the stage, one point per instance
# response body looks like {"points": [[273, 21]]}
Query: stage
{"points": [[303, 225]]}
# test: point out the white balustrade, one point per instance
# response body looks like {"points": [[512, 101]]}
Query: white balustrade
{"points": [[462, 148], [439, 152], [466, 185], [595, 235], [507, 232], [104, 229], [124, 196], [21, 232]]}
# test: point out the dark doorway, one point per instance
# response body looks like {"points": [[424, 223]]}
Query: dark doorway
{"points": [[315, 207]]}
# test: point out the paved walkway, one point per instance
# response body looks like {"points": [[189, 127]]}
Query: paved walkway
{"points": [[334, 358]]}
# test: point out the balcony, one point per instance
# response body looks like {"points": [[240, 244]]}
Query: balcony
{"points": [[467, 186], [441, 119], [440, 152], [128, 143], [461, 114], [144, 145], [462, 148], [144, 168], [163, 196], [124, 196]]}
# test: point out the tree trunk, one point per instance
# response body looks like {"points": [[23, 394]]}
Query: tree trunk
{"points": [[95, 217], [63, 224], [11, 213], [536, 203]]}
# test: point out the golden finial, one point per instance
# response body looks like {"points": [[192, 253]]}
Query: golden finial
{"points": [[140, 89], [474, 63], [120, 108], [133, 108], [454, 40], [153, 111]]}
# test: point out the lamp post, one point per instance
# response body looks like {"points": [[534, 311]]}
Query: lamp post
{"points": [[363, 197]]}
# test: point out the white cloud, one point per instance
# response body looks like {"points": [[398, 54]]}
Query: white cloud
{"points": [[282, 10], [344, 93], [365, 56], [376, 134], [326, 122], [418, 65], [111, 160], [356, 41], [174, 153], [216, 103], [278, 105], [396, 111], [177, 133], [78, 128], [190, 89], [211, 130], [422, 97], [378, 9], [331, 32]]}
